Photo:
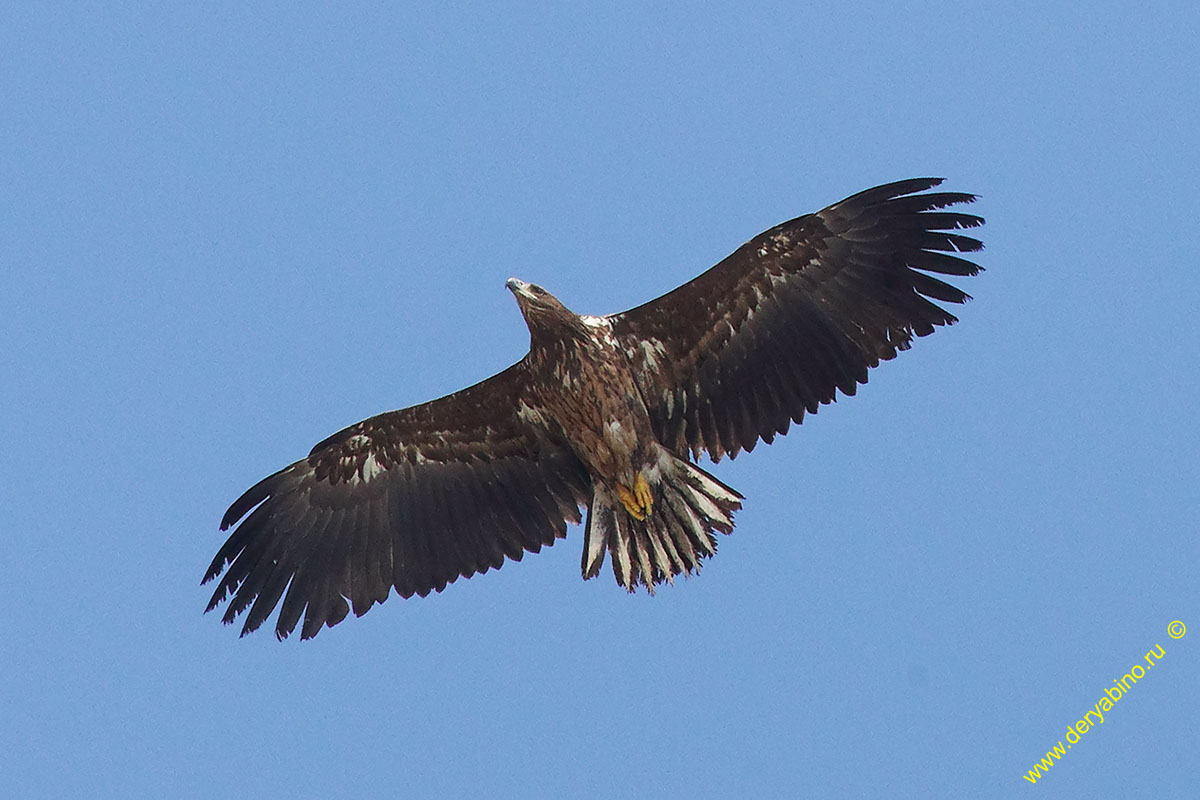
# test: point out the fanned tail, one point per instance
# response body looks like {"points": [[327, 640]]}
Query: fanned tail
{"points": [[689, 505]]}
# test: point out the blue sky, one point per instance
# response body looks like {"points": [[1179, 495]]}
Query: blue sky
{"points": [[226, 233]]}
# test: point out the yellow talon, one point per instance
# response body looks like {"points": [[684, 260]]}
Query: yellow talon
{"points": [[641, 491], [638, 502], [630, 502]]}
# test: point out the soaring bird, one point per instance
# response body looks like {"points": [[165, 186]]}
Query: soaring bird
{"points": [[607, 413]]}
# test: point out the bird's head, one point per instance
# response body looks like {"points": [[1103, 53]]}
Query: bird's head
{"points": [[542, 311], [533, 299]]}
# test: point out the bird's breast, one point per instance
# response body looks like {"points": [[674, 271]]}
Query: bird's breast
{"points": [[590, 391]]}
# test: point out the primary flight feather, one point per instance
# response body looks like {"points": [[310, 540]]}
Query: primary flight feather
{"points": [[604, 413]]}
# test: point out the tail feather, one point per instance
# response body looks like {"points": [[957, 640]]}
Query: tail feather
{"points": [[689, 506]]}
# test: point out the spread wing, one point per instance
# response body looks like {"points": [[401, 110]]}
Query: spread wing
{"points": [[795, 314], [411, 499]]}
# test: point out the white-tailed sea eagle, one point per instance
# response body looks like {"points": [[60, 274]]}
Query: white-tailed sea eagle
{"points": [[604, 413]]}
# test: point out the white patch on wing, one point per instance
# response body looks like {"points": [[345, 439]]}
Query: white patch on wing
{"points": [[777, 279], [645, 355], [602, 330], [752, 308], [652, 349], [531, 415], [569, 379], [780, 243], [371, 468]]}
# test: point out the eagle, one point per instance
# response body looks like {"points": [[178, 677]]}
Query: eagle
{"points": [[609, 414]]}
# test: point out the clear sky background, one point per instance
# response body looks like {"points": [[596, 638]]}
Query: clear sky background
{"points": [[226, 233]]}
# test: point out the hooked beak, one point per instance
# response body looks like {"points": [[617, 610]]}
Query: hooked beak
{"points": [[517, 287]]}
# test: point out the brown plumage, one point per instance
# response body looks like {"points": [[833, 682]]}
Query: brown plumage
{"points": [[607, 413]]}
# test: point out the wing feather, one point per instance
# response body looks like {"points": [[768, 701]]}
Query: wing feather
{"points": [[411, 500], [797, 314]]}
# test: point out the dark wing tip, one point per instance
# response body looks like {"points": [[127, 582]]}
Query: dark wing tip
{"points": [[889, 191], [920, 223], [214, 569], [233, 545], [912, 194], [252, 497]]}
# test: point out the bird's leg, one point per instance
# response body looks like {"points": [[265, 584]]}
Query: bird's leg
{"points": [[641, 491], [639, 500]]}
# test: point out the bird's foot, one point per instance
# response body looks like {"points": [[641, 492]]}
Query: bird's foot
{"points": [[637, 501]]}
